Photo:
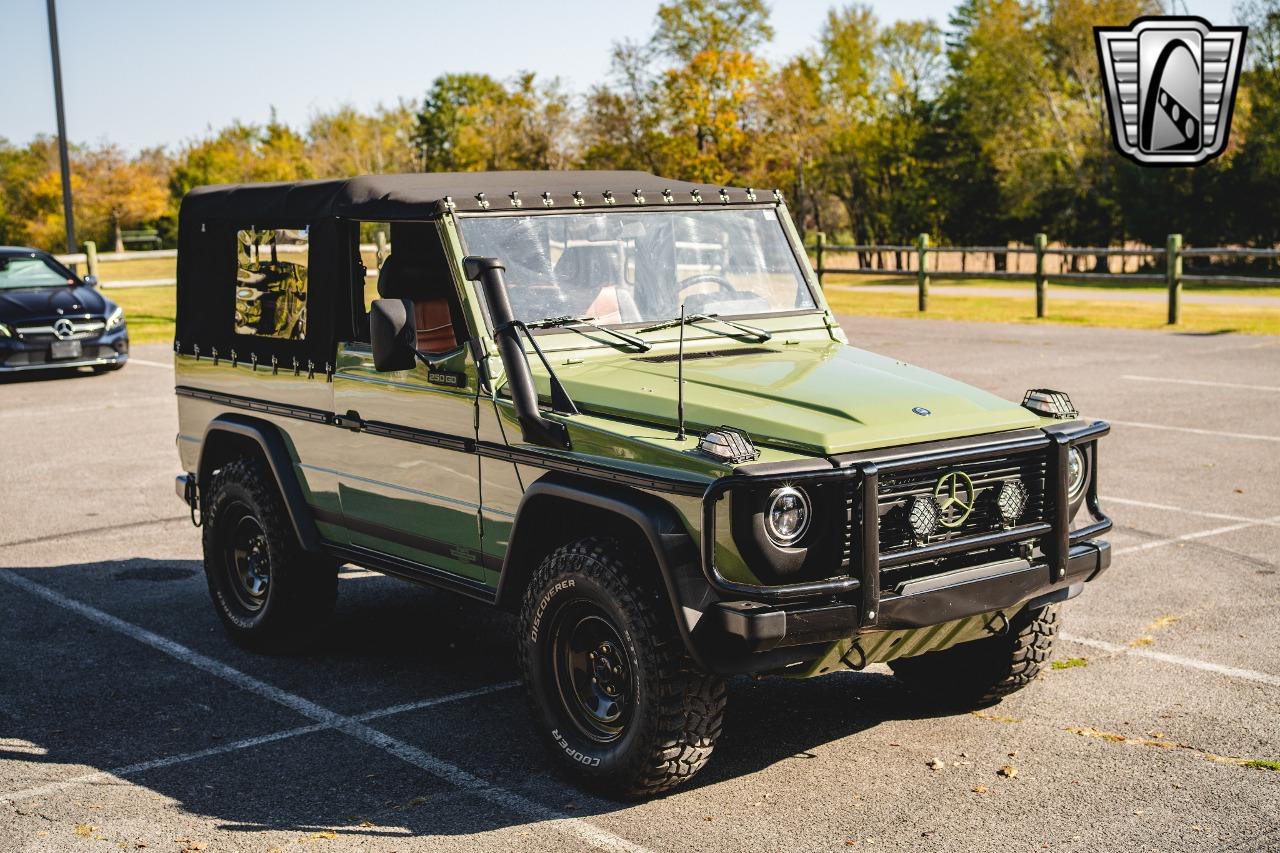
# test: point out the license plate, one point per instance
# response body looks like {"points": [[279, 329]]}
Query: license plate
{"points": [[64, 349]]}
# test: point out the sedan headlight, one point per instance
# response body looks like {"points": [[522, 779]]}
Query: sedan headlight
{"points": [[787, 515], [5, 331], [115, 318], [1077, 473]]}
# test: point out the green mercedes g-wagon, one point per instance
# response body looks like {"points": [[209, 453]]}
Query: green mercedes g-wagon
{"points": [[618, 406]]}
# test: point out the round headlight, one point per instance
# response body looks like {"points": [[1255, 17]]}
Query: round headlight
{"points": [[1077, 472], [787, 515]]}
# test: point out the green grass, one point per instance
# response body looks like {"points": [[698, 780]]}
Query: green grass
{"points": [[149, 311], [1026, 286], [142, 269], [1069, 663], [1263, 764], [1196, 318]]}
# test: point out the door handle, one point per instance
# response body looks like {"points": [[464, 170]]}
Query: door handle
{"points": [[351, 420]]}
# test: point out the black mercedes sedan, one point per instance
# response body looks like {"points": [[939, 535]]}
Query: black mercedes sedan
{"points": [[52, 318]]}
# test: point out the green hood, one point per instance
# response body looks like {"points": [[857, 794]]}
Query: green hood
{"points": [[818, 398]]}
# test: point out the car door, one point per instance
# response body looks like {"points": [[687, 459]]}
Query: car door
{"points": [[409, 483]]}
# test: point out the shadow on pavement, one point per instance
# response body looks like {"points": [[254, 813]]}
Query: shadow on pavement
{"points": [[389, 643]]}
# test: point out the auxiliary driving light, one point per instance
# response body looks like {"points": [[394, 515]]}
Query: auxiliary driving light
{"points": [[729, 445], [923, 517], [1011, 501], [787, 515], [1050, 403]]}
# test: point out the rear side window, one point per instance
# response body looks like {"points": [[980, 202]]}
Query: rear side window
{"points": [[271, 283]]}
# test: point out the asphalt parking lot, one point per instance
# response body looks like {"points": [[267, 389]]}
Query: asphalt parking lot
{"points": [[128, 721]]}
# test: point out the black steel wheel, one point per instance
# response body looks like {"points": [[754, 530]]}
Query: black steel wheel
{"points": [[246, 561], [618, 701], [268, 592], [592, 671]]}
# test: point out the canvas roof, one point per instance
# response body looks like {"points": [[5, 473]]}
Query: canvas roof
{"points": [[426, 195]]}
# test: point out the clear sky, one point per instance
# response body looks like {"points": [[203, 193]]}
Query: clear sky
{"points": [[157, 72]]}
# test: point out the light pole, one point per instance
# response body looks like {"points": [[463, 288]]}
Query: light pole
{"points": [[62, 130]]}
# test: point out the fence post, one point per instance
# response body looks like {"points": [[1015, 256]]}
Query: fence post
{"points": [[1173, 275], [922, 274], [1042, 240], [820, 243], [381, 240], [91, 257]]}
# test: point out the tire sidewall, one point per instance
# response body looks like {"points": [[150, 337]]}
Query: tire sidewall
{"points": [[236, 616], [576, 751]]}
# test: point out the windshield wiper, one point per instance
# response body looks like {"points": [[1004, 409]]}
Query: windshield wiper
{"points": [[759, 334], [563, 322]]}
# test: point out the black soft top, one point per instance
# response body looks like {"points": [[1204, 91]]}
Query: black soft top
{"points": [[386, 198]]}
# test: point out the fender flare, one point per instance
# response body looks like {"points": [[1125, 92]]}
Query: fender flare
{"points": [[280, 458], [675, 552]]}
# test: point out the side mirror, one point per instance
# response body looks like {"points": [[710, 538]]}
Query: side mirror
{"points": [[392, 334], [90, 280]]}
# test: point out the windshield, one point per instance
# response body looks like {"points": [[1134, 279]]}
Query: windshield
{"points": [[640, 266], [27, 271]]}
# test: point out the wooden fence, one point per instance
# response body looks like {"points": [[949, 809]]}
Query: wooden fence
{"points": [[1163, 266]]}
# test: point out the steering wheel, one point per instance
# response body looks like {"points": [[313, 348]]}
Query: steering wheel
{"points": [[725, 286]]}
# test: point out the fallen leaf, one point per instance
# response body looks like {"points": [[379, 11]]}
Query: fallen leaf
{"points": [[979, 789], [1008, 771], [84, 830], [327, 835]]}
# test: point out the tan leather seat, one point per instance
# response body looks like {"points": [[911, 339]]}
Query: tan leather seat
{"points": [[435, 325], [433, 317]]}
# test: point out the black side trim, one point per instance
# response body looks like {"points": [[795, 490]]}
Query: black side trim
{"points": [[420, 436], [404, 537], [411, 571], [673, 485], [253, 404], [462, 444], [280, 458]]}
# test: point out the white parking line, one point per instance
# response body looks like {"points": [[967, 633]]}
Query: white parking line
{"points": [[160, 364], [1177, 660], [1199, 534], [1184, 511], [331, 719], [234, 746], [1201, 382], [1194, 431]]}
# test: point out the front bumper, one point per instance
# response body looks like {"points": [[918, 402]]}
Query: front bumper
{"points": [[21, 355], [754, 627]]}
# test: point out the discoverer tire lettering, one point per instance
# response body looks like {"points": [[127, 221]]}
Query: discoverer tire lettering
{"points": [[668, 712]]}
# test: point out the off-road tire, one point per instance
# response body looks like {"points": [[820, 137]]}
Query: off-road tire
{"points": [[301, 588], [983, 672], [675, 709]]}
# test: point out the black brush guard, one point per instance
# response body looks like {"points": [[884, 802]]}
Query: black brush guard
{"points": [[820, 611]]}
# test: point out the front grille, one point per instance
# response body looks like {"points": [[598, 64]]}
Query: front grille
{"points": [[897, 489], [44, 332]]}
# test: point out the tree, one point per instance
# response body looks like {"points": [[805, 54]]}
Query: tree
{"points": [[116, 192], [348, 142], [452, 105]]}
